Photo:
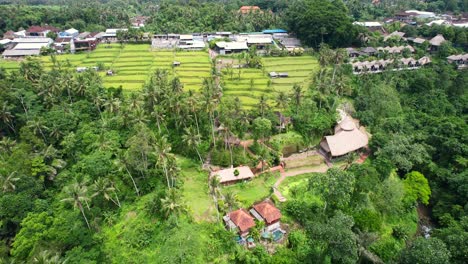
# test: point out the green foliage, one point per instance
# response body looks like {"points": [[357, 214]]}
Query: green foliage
{"points": [[426, 251], [317, 21], [368, 220], [416, 188], [335, 186]]}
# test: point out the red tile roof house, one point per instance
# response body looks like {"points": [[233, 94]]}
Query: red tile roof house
{"points": [[239, 220], [40, 31], [249, 9], [267, 212]]}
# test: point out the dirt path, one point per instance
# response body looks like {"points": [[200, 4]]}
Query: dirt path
{"points": [[321, 169]]}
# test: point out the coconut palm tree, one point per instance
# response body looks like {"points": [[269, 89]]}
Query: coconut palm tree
{"points": [[6, 144], [37, 127], [48, 257], [103, 187], [172, 204], [231, 200], [77, 194], [162, 152], [262, 105], [193, 140], [214, 184], [7, 117], [121, 164], [282, 100], [8, 182]]}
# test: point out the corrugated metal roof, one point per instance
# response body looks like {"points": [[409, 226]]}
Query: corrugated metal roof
{"points": [[19, 53], [30, 46]]}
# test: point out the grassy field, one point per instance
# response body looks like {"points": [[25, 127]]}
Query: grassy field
{"points": [[195, 190], [249, 84], [255, 190]]}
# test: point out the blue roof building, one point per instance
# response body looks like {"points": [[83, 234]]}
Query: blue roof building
{"points": [[274, 31]]}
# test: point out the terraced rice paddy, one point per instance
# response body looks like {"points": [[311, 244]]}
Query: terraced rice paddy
{"points": [[249, 84], [194, 66], [134, 64]]}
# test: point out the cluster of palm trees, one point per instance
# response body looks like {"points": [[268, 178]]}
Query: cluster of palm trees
{"points": [[80, 195]]}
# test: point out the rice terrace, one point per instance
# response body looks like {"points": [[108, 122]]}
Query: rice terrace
{"points": [[133, 65]]}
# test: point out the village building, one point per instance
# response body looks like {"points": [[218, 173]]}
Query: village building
{"points": [[61, 43], [436, 42], [396, 50], [244, 10], [258, 40], [353, 53], [371, 26], [460, 60], [395, 34], [111, 33], [225, 48], [139, 21], [268, 213], [348, 138], [41, 31], [69, 33], [232, 175], [418, 41], [239, 220], [10, 34], [22, 47], [5, 44], [369, 51]]}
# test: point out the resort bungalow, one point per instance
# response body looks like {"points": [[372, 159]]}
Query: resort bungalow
{"points": [[436, 42], [231, 47], [268, 213], [347, 138], [460, 60], [239, 220], [353, 53], [369, 51], [395, 34], [232, 175]]}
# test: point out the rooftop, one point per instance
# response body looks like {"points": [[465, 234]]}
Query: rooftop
{"points": [[268, 211], [242, 219], [19, 53], [347, 138], [437, 40], [227, 175]]}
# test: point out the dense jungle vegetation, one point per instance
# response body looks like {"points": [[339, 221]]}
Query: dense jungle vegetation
{"points": [[97, 175]]}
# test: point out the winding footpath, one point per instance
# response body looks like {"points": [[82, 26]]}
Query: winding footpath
{"points": [[320, 169]]}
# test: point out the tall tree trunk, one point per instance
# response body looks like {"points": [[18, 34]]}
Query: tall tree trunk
{"points": [[199, 156], [133, 181], [212, 129], [83, 213]]}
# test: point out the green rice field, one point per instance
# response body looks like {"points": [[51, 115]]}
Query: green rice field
{"points": [[249, 84], [133, 64]]}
